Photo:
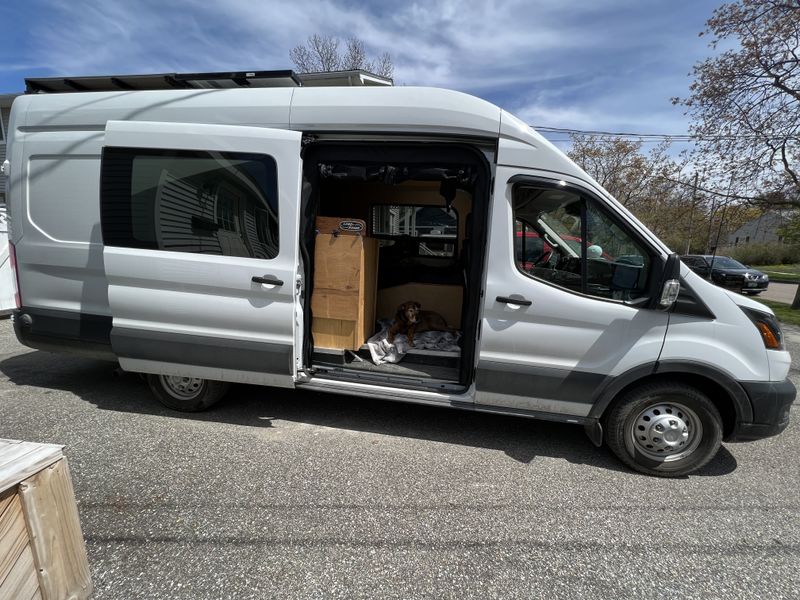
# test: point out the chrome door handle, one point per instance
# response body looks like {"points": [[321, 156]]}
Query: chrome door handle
{"points": [[518, 301], [267, 280]]}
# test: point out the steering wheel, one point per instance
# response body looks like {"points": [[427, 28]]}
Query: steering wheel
{"points": [[543, 259]]}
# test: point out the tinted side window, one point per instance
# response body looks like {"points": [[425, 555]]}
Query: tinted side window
{"points": [[190, 201], [566, 239]]}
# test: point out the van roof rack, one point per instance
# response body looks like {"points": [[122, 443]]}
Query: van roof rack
{"points": [[221, 80], [161, 81]]}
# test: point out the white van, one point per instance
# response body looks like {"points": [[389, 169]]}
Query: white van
{"points": [[186, 234]]}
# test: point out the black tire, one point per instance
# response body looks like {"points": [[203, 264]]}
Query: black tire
{"points": [[691, 423], [186, 394]]}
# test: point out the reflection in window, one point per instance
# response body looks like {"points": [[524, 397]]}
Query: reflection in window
{"points": [[187, 201], [564, 238]]}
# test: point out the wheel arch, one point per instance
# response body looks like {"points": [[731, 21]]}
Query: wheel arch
{"points": [[726, 393]]}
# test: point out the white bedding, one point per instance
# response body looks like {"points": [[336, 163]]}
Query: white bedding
{"points": [[383, 352]]}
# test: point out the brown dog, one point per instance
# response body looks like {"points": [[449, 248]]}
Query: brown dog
{"points": [[410, 319]]}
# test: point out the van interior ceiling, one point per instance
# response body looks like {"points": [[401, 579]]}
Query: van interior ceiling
{"points": [[382, 228]]}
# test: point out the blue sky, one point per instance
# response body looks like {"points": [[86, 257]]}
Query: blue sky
{"points": [[603, 65]]}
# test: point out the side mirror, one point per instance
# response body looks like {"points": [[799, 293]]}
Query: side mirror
{"points": [[669, 294], [670, 284]]}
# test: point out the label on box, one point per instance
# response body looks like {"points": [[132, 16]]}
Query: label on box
{"points": [[351, 226]]}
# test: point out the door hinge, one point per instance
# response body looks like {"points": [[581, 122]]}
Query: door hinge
{"points": [[307, 139]]}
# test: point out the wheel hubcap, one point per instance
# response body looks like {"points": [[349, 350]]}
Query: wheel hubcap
{"points": [[666, 431], [182, 388]]}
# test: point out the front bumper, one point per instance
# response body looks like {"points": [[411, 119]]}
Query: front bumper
{"points": [[771, 401], [749, 285]]}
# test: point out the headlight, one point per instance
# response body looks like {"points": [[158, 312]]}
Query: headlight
{"points": [[767, 326]]}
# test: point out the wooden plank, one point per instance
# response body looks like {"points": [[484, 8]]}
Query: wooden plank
{"points": [[330, 304], [20, 460], [5, 500], [59, 553], [13, 535], [334, 333], [337, 262], [369, 289], [441, 298], [342, 226], [21, 582]]}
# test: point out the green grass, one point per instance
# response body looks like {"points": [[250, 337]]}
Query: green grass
{"points": [[781, 273], [784, 312]]}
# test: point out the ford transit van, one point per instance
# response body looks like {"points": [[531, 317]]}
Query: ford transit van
{"points": [[279, 235]]}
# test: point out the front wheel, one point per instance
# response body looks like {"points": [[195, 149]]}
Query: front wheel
{"points": [[664, 429], [186, 394]]}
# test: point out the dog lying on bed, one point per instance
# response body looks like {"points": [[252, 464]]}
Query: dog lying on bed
{"points": [[411, 319]]}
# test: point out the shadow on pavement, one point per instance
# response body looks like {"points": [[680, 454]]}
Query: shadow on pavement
{"points": [[253, 406]]}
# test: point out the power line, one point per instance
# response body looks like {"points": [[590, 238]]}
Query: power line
{"points": [[568, 130], [644, 141], [672, 137]]}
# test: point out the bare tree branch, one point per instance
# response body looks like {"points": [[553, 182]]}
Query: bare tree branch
{"points": [[745, 102], [322, 53]]}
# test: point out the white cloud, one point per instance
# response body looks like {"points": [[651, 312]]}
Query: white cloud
{"points": [[581, 64]]}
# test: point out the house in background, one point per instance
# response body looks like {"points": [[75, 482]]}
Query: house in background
{"points": [[761, 230]]}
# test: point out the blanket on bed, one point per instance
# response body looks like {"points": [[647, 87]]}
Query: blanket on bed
{"points": [[383, 352]]}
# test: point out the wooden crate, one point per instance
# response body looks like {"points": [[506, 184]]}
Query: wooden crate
{"points": [[42, 554], [345, 284]]}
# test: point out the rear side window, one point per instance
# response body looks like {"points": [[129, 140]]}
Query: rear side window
{"points": [[431, 230], [222, 203]]}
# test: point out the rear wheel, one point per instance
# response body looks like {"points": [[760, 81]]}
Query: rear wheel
{"points": [[186, 394], [664, 429]]}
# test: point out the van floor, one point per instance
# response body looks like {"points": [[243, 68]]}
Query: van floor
{"points": [[407, 368]]}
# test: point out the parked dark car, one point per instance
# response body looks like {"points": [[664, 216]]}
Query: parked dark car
{"points": [[727, 273]]}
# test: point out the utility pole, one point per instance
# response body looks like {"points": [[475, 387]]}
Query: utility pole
{"points": [[691, 213]]}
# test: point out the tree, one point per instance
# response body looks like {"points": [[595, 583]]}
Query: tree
{"points": [[745, 101], [322, 53], [677, 207], [648, 185]]}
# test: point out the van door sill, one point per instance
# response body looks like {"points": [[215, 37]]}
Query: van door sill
{"points": [[380, 390], [397, 382]]}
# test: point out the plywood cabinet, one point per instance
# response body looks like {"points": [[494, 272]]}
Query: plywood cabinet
{"points": [[345, 284]]}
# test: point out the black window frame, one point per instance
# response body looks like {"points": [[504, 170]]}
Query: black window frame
{"points": [[656, 259], [120, 159]]}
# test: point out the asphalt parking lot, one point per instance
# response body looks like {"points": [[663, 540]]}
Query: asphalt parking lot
{"points": [[283, 494], [780, 292]]}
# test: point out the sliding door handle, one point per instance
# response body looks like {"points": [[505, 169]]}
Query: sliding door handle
{"points": [[518, 301], [267, 280]]}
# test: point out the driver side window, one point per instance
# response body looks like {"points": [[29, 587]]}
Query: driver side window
{"points": [[567, 239]]}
